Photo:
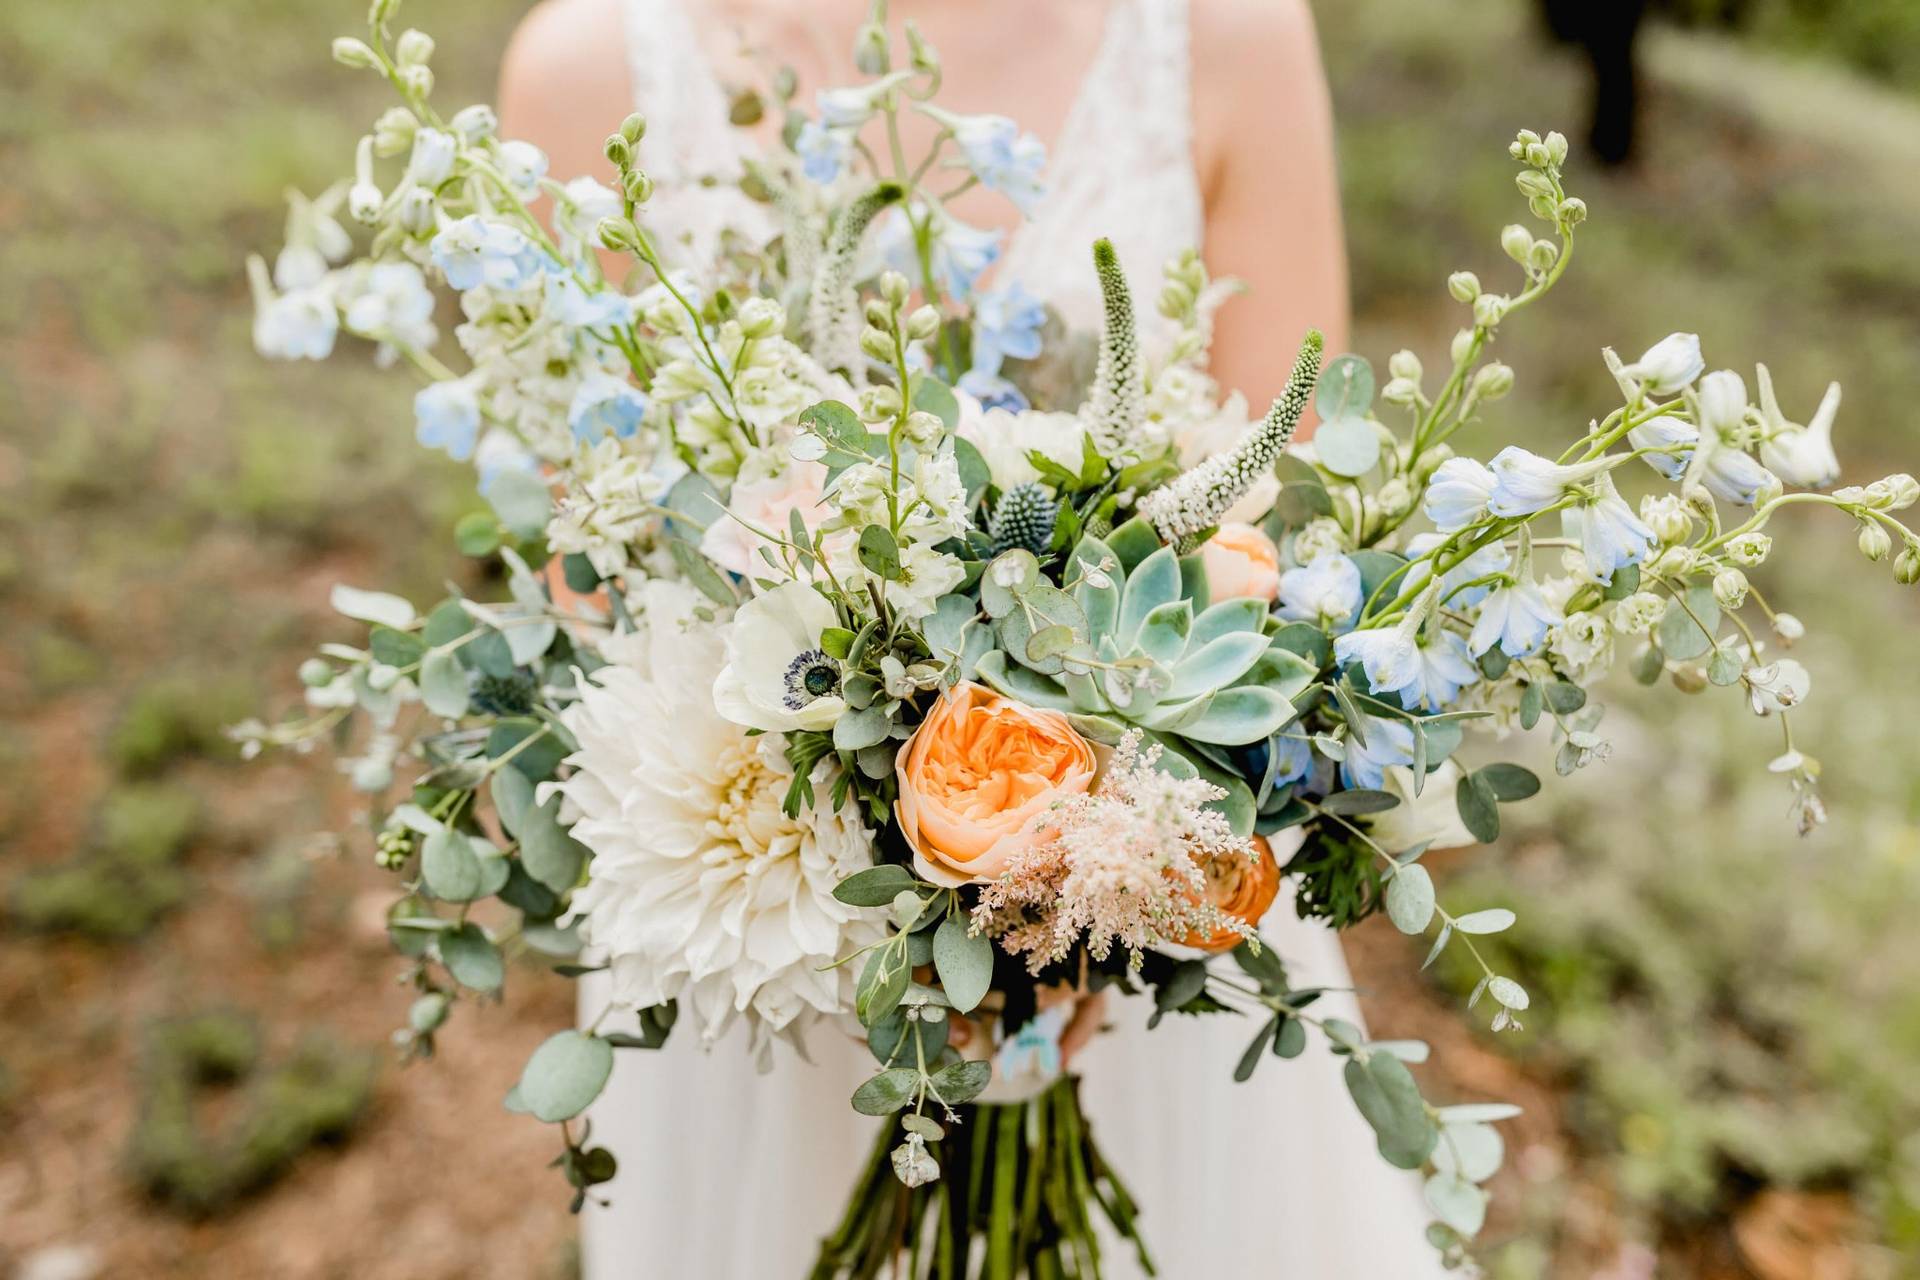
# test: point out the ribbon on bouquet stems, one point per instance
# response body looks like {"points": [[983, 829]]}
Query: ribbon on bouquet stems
{"points": [[1020, 1185]]}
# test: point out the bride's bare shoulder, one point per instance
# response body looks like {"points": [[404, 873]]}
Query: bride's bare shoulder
{"points": [[564, 81], [1228, 34]]}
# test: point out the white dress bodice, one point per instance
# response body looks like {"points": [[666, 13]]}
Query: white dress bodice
{"points": [[729, 1174], [1122, 166]]}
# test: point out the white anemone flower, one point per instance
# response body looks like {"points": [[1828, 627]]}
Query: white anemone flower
{"points": [[1800, 455], [701, 889], [778, 678]]}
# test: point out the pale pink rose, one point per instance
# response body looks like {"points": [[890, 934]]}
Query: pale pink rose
{"points": [[764, 504], [1241, 561]]}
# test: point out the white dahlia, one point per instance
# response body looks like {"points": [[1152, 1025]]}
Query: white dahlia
{"points": [[701, 889]]}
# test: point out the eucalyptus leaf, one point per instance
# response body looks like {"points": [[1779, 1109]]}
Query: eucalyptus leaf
{"points": [[564, 1075], [448, 865], [1387, 1097], [1410, 899], [962, 1081], [1345, 389], [521, 500], [471, 958], [887, 1092], [964, 960], [443, 684], [874, 886], [1348, 447]]}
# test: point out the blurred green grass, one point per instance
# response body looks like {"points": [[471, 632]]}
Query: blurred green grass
{"points": [[1726, 1007]]}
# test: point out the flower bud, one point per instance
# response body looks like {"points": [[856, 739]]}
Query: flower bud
{"points": [[878, 313], [1906, 567], [1430, 460], [382, 677], [413, 48], [923, 324], [1533, 185], [894, 288], [1516, 241], [637, 185], [1538, 156], [417, 79], [870, 52], [475, 122], [923, 428], [1175, 300], [617, 234], [357, 54], [1674, 562], [878, 403], [1903, 491], [1689, 679], [393, 131], [619, 151], [1521, 141], [1400, 391], [761, 317], [315, 673], [1464, 286], [1730, 588], [1404, 364], [1875, 541], [877, 343], [1489, 309], [415, 212], [1461, 346], [1788, 627], [364, 201], [1667, 516], [1543, 255], [434, 151], [1749, 549], [1492, 381], [1396, 498], [1556, 146], [1572, 212]]}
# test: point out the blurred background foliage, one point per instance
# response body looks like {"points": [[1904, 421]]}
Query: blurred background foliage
{"points": [[1721, 1062]]}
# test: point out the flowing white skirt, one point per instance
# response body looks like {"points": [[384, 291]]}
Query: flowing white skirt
{"points": [[731, 1175]]}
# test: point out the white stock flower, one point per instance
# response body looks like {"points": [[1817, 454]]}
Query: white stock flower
{"points": [[701, 890], [1799, 455], [777, 678]]}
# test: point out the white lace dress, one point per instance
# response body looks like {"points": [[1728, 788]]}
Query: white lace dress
{"points": [[729, 1174]]}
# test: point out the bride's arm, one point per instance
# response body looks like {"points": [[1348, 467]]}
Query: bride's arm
{"points": [[1263, 130]]}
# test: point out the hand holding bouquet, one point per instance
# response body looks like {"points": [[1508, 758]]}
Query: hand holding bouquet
{"points": [[859, 665]]}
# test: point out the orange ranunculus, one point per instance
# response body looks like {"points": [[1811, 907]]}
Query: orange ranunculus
{"points": [[1241, 561], [1244, 888], [975, 772]]}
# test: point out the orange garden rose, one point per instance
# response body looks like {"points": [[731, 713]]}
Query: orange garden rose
{"points": [[1244, 888], [975, 772], [1241, 561]]}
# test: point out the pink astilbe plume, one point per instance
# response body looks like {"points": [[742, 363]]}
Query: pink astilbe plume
{"points": [[1124, 865]]}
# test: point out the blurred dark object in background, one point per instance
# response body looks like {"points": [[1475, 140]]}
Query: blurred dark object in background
{"points": [[1604, 30]]}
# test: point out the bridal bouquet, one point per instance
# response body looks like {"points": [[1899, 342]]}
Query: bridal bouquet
{"points": [[864, 665]]}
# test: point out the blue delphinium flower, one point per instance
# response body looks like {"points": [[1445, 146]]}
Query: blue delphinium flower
{"points": [[605, 405], [523, 165], [446, 415], [992, 390], [298, 325], [1033, 1052], [1003, 158], [1293, 759], [822, 150], [498, 453], [1525, 484], [957, 253], [472, 252], [394, 305], [1389, 743], [1006, 322], [572, 305]]}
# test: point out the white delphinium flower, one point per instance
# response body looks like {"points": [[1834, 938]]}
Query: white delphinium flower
{"points": [[523, 165], [999, 154], [1458, 493], [1799, 455], [1325, 592], [1610, 535], [1525, 483], [702, 890], [778, 678], [1668, 365], [298, 324], [1426, 665], [1516, 617], [472, 252], [1455, 584], [578, 216]]}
